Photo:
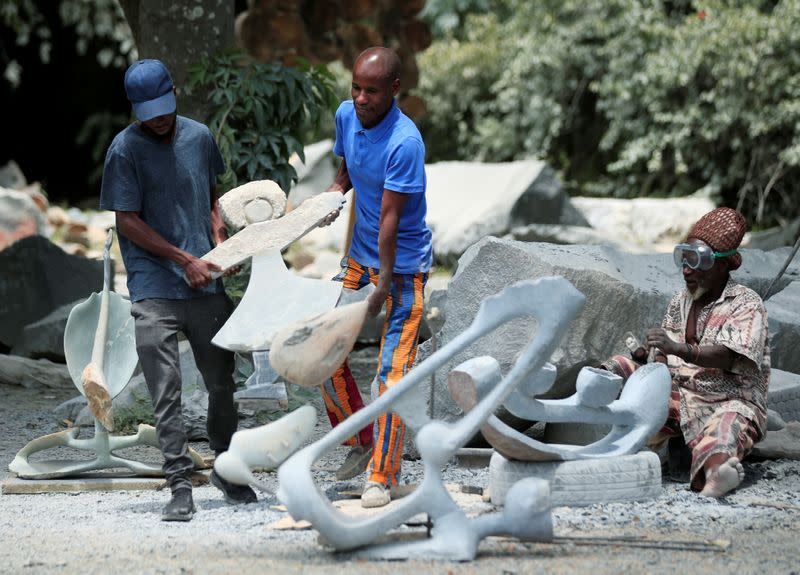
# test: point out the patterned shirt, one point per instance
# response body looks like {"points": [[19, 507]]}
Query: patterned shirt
{"points": [[737, 320]]}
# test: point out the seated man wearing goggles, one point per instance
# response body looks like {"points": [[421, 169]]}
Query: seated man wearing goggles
{"points": [[714, 339]]}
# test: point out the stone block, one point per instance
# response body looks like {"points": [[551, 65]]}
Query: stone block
{"points": [[45, 338], [36, 277]]}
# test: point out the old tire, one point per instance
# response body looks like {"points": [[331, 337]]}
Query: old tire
{"points": [[583, 482]]}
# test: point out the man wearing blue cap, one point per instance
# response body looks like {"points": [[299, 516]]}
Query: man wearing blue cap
{"points": [[160, 179]]}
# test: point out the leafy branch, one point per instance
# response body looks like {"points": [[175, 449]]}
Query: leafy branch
{"points": [[263, 113]]}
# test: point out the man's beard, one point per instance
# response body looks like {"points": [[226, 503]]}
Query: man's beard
{"points": [[699, 292]]}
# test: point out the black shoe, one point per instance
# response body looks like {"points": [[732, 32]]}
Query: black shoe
{"points": [[180, 507], [234, 494]]}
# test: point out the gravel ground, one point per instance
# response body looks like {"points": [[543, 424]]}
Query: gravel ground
{"points": [[100, 532]]}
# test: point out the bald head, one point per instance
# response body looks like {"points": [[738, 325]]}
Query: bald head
{"points": [[384, 61], [376, 81]]}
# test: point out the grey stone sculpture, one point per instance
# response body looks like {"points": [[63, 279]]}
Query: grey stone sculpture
{"points": [[554, 302], [637, 415], [99, 333]]}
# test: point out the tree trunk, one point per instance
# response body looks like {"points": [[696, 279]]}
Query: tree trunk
{"points": [[180, 34]]}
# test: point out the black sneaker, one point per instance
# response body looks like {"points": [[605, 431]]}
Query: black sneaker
{"points": [[234, 494], [355, 462], [180, 506]]}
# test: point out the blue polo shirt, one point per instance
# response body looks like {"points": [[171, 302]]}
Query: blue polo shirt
{"points": [[388, 156], [169, 184]]}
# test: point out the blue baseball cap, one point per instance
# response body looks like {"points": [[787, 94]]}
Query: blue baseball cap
{"points": [[149, 88]]}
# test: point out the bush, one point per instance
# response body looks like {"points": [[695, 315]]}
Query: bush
{"points": [[263, 113], [629, 98]]}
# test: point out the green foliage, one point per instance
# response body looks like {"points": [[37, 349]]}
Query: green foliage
{"points": [[446, 16], [628, 97], [263, 113], [96, 20]]}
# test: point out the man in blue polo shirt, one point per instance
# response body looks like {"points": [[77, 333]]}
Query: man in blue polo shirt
{"points": [[160, 178], [383, 159]]}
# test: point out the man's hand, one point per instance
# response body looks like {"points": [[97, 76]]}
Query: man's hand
{"points": [[376, 299], [198, 272], [657, 337], [330, 218]]}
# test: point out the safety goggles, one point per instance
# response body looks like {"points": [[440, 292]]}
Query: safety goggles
{"points": [[697, 256]]}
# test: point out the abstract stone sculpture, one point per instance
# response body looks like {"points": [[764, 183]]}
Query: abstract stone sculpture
{"points": [[252, 202], [91, 327], [93, 379], [275, 297], [637, 415], [554, 302], [273, 235], [265, 447], [309, 352]]}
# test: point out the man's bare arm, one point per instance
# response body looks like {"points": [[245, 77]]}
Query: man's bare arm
{"points": [[391, 208], [341, 183], [715, 356], [218, 230], [198, 271]]}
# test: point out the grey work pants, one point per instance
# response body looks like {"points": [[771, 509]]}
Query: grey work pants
{"points": [[157, 323]]}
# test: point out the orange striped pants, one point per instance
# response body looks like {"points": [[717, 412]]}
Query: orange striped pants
{"points": [[398, 349]]}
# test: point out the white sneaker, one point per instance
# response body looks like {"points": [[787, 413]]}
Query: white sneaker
{"points": [[374, 495]]}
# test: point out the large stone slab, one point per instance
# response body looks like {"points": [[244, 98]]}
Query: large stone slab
{"points": [[624, 292], [783, 444], [33, 373], [784, 394], [470, 200], [644, 221], [783, 310], [314, 175], [36, 277]]}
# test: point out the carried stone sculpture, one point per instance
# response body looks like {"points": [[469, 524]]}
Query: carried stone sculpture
{"points": [[99, 336], [274, 298], [274, 234], [554, 302]]}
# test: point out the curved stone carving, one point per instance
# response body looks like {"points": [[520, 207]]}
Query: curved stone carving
{"points": [[637, 415], [99, 343], [265, 447], [252, 202], [275, 298], [554, 302], [309, 352], [274, 234]]}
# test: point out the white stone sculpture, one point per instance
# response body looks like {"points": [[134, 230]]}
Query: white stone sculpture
{"points": [[275, 297], [252, 202], [636, 416], [276, 234], [554, 302], [265, 447], [100, 333]]}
